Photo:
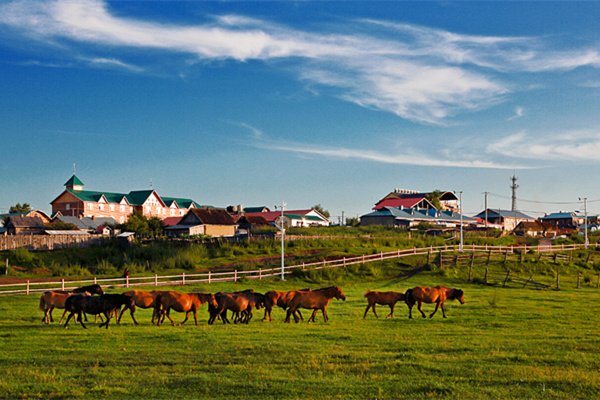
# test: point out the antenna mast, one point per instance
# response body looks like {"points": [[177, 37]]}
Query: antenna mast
{"points": [[514, 188]]}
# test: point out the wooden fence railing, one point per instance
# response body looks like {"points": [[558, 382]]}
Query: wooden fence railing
{"points": [[233, 276]]}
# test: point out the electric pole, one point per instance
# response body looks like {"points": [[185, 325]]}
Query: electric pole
{"points": [[585, 222], [460, 246], [514, 188], [485, 208]]}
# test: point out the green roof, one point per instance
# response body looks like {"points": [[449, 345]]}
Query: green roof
{"points": [[74, 181], [138, 197], [89, 195], [181, 202]]}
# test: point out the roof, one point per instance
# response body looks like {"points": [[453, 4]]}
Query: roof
{"points": [[171, 221], [25, 222], [87, 222], [73, 181], [419, 214], [65, 232], [181, 202], [271, 216], [256, 209], [253, 220], [561, 215], [212, 216], [408, 202], [496, 212]]}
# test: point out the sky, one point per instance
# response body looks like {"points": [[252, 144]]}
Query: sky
{"points": [[334, 103]]}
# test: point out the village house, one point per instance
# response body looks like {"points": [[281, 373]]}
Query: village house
{"points": [[505, 219], [20, 225], [215, 222], [293, 218], [404, 198], [410, 217], [77, 202], [564, 219]]}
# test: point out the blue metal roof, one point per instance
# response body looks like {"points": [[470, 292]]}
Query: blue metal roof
{"points": [[496, 212]]}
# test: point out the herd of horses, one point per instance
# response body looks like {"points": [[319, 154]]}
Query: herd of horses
{"points": [[93, 301]]}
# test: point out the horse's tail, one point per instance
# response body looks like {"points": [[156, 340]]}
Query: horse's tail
{"points": [[42, 303]]}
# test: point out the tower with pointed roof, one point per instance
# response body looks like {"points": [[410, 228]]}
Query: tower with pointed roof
{"points": [[74, 183]]}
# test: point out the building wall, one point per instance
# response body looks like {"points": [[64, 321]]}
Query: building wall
{"points": [[219, 230], [383, 221]]}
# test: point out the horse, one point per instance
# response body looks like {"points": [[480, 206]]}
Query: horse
{"points": [[239, 303], [280, 299], [315, 300], [95, 305], [181, 302], [384, 299], [437, 295], [57, 298], [142, 300]]}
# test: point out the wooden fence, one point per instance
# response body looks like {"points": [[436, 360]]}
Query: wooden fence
{"points": [[48, 242], [30, 287]]}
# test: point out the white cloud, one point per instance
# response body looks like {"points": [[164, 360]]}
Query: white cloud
{"points": [[519, 112], [418, 73], [567, 146]]}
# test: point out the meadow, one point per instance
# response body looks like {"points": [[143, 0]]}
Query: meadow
{"points": [[502, 343]]}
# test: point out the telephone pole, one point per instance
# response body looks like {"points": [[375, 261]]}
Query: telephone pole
{"points": [[485, 208], [514, 188], [585, 222]]}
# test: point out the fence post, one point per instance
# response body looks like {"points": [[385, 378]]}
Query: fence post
{"points": [[578, 279], [429, 256], [471, 266], [302, 265], [506, 278], [235, 276], [155, 279], [557, 278], [127, 281], [382, 255], [62, 283], [27, 290], [344, 262], [455, 260], [505, 257], [6, 267], [183, 278], [598, 282], [489, 256], [260, 274], [95, 281], [209, 276]]}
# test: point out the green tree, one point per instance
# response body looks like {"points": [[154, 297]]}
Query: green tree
{"points": [[434, 198], [137, 223], [59, 225], [156, 227], [352, 221], [20, 208], [318, 208]]}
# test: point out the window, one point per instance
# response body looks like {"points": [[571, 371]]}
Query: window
{"points": [[111, 207], [67, 206], [90, 206], [101, 207], [122, 208]]}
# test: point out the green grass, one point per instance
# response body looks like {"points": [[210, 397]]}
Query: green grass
{"points": [[503, 343]]}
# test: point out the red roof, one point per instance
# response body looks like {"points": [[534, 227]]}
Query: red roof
{"points": [[171, 221], [270, 216], [397, 203]]}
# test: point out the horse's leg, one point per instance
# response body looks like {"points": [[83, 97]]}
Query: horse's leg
{"points": [[443, 309], [299, 314], [419, 305], [288, 314], [325, 317], [168, 315], [313, 315], [195, 317], [187, 315], [437, 305], [69, 318], [63, 316], [375, 312], [366, 311], [81, 319], [50, 313], [391, 314]]}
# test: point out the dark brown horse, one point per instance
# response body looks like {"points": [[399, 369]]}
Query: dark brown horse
{"points": [[104, 304], [384, 299], [314, 300], [142, 300], [57, 298], [239, 303], [281, 299], [181, 302], [437, 295]]}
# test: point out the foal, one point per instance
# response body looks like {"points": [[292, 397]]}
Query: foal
{"points": [[384, 299]]}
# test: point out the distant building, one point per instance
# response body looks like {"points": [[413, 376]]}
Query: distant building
{"points": [[215, 222], [507, 220], [76, 202], [409, 217], [403, 198], [294, 218], [19, 225]]}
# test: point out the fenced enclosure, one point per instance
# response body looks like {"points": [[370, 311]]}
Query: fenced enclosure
{"points": [[483, 263]]}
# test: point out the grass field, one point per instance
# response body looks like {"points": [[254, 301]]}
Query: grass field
{"points": [[503, 343]]}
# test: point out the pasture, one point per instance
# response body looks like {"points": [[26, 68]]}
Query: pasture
{"points": [[502, 343]]}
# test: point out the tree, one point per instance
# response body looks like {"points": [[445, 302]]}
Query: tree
{"points": [[20, 208], [352, 221], [318, 208], [59, 225], [156, 227], [434, 198], [137, 223]]}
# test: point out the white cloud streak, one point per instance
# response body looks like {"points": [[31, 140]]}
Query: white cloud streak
{"points": [[518, 113], [420, 74], [567, 146]]}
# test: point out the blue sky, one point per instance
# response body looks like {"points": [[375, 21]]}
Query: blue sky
{"points": [[334, 103]]}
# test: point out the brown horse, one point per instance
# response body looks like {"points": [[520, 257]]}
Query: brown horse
{"points": [[384, 299], [239, 303], [437, 295], [142, 300], [57, 298], [280, 299], [181, 302], [314, 300]]}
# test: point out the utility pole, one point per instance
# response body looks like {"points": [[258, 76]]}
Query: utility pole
{"points": [[585, 222], [485, 208], [282, 231], [514, 188], [460, 246]]}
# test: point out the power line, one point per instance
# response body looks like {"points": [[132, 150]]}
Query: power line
{"points": [[540, 202]]}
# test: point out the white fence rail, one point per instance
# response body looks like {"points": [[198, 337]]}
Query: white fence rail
{"points": [[233, 276]]}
